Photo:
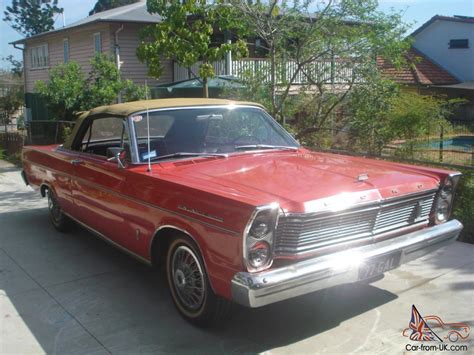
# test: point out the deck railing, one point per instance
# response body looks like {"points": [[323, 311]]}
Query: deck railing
{"points": [[328, 71]]}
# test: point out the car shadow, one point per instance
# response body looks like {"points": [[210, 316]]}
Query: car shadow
{"points": [[56, 282], [8, 169]]}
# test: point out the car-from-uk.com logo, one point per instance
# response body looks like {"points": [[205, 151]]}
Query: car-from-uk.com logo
{"points": [[441, 335]]}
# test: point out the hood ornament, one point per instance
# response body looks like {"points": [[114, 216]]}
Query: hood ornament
{"points": [[363, 177]]}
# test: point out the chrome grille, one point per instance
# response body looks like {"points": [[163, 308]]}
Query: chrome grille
{"points": [[301, 233]]}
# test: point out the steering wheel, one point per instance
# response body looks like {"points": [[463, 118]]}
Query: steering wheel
{"points": [[244, 140]]}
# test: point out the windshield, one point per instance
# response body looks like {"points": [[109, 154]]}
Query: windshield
{"points": [[208, 130]]}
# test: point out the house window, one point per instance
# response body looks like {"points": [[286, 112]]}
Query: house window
{"points": [[39, 56], [66, 50], [97, 42], [458, 43]]}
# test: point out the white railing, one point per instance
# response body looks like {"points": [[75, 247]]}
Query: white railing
{"points": [[328, 71]]}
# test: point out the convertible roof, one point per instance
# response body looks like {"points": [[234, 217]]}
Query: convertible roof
{"points": [[126, 109]]}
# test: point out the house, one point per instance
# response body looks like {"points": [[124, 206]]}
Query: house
{"points": [[448, 42], [440, 62], [114, 32], [419, 73]]}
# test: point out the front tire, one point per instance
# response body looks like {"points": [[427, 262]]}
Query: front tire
{"points": [[59, 220], [189, 285]]}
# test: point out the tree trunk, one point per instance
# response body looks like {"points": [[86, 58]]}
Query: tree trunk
{"points": [[205, 88], [273, 80]]}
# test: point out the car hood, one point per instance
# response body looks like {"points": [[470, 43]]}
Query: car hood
{"points": [[304, 181]]}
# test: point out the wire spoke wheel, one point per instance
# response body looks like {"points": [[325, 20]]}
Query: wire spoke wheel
{"points": [[188, 278], [54, 209]]}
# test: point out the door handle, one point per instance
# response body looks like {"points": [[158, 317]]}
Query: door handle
{"points": [[77, 162]]}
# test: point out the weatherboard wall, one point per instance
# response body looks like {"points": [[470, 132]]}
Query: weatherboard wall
{"points": [[132, 68]]}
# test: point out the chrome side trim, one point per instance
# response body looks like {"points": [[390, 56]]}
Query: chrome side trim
{"points": [[274, 285], [103, 237], [99, 187], [199, 213]]}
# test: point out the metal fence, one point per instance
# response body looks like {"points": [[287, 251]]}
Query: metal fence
{"points": [[451, 144], [12, 142]]}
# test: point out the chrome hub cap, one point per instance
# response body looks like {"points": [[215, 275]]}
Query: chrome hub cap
{"points": [[188, 278]]}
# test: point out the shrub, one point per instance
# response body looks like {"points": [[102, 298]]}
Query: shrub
{"points": [[464, 205]]}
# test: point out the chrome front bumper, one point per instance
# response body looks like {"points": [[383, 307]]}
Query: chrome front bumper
{"points": [[274, 285]]}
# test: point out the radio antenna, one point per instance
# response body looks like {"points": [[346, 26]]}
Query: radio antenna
{"points": [[148, 126]]}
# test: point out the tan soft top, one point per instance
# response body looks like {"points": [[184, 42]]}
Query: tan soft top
{"points": [[126, 109]]}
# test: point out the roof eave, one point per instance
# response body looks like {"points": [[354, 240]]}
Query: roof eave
{"points": [[59, 30]]}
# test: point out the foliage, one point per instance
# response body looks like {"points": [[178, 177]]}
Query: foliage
{"points": [[64, 93], [331, 46], [104, 5], [12, 98], [186, 35], [11, 101], [16, 67], [381, 113], [32, 17], [68, 91], [464, 205]]}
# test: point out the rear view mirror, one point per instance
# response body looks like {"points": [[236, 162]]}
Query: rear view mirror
{"points": [[118, 154]]}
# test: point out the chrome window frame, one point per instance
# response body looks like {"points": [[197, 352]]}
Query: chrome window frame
{"points": [[134, 144]]}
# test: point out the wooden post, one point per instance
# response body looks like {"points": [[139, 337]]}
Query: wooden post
{"points": [[441, 143], [5, 121]]}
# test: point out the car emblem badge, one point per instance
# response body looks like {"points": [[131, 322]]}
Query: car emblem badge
{"points": [[362, 177]]}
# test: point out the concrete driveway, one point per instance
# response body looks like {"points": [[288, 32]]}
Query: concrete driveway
{"points": [[72, 293]]}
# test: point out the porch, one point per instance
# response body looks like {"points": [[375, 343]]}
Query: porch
{"points": [[327, 71]]}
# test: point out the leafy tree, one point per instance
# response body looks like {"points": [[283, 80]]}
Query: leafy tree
{"points": [[103, 5], [382, 113], [186, 35], [16, 66], [68, 91], [370, 125], [328, 46], [30, 17], [65, 91], [11, 93]]}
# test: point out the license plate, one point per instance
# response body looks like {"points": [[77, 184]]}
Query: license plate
{"points": [[379, 265]]}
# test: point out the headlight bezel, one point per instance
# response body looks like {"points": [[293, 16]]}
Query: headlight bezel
{"points": [[269, 213], [445, 194]]}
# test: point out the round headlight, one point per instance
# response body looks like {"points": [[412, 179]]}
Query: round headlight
{"points": [[446, 192], [259, 254], [442, 212], [259, 228]]}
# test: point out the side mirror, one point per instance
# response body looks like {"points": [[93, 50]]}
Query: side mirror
{"points": [[117, 154]]}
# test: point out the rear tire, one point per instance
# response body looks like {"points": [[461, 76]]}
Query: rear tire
{"points": [[189, 285], [59, 220]]}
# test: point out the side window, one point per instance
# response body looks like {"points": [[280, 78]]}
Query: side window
{"points": [[103, 133], [97, 42]]}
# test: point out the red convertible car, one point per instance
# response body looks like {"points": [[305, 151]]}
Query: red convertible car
{"points": [[232, 206]]}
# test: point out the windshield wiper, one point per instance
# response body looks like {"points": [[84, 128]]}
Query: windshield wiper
{"points": [[188, 154], [264, 146]]}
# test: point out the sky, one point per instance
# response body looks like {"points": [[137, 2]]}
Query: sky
{"points": [[415, 12]]}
